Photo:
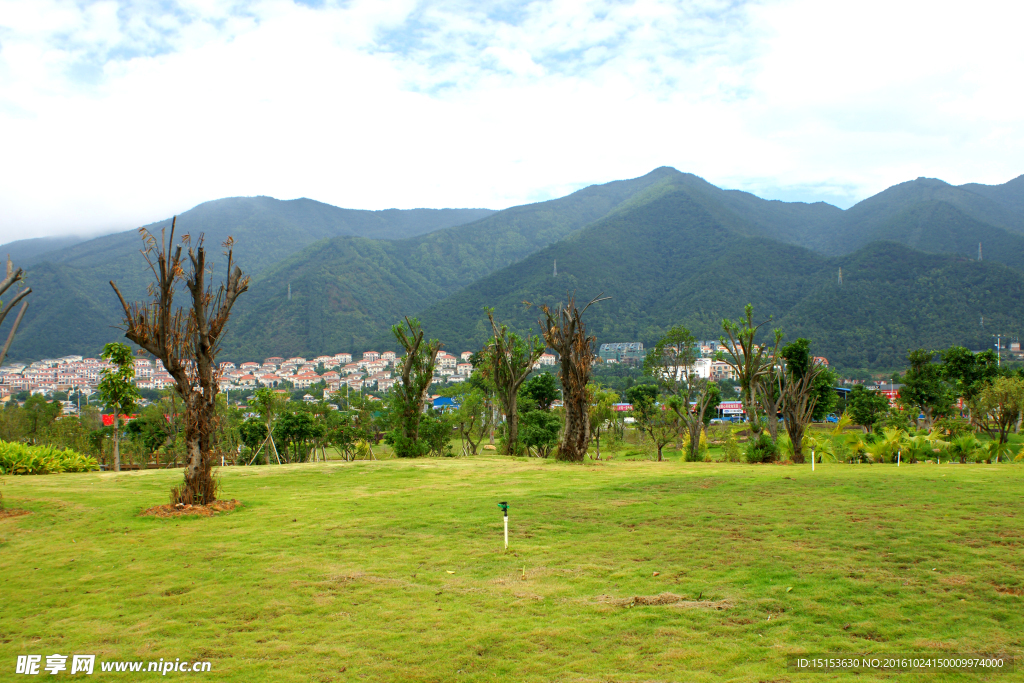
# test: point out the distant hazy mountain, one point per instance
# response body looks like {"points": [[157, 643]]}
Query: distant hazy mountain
{"points": [[267, 230], [24, 253]]}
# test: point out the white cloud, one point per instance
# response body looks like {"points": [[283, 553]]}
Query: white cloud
{"points": [[119, 113]]}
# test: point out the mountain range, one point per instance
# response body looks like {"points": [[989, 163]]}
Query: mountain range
{"points": [[668, 248]]}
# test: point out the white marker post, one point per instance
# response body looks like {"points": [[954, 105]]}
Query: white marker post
{"points": [[812, 461], [504, 508], [898, 454]]}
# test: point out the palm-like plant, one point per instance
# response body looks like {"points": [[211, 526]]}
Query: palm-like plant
{"points": [[996, 450], [823, 445], [916, 447], [938, 445], [886, 447], [963, 447]]}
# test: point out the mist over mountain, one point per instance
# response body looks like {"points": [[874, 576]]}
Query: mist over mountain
{"points": [[668, 247]]}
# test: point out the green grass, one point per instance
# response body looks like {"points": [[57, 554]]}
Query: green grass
{"points": [[340, 571]]}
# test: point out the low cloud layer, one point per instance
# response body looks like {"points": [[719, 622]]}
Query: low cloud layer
{"points": [[115, 114]]}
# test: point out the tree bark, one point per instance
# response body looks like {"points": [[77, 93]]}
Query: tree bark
{"points": [[117, 443], [565, 332]]}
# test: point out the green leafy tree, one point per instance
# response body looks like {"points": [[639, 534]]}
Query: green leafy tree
{"points": [[509, 361], [539, 431], [297, 429], [471, 416], [654, 420], [436, 433], [998, 405], [924, 390], [409, 394], [673, 365], [342, 434], [270, 405], [542, 390], [117, 389], [38, 415], [602, 412], [865, 408], [968, 373]]}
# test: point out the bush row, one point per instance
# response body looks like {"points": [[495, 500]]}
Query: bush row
{"points": [[19, 458]]}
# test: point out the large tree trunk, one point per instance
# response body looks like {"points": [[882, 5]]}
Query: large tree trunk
{"points": [[576, 434], [693, 430], [796, 435], [117, 442], [512, 425], [565, 332]]}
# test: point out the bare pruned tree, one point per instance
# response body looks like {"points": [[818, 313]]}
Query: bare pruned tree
{"points": [[13, 277], [799, 397], [747, 359], [565, 332], [186, 339], [771, 388]]}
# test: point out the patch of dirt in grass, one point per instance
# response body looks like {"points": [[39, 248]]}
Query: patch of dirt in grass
{"points": [[1010, 590], [955, 580], [14, 512], [196, 510], [664, 600]]}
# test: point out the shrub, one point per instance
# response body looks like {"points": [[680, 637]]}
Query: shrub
{"points": [[952, 427], [762, 449], [19, 458], [731, 449], [702, 449]]}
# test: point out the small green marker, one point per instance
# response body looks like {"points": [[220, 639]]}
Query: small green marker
{"points": [[504, 508]]}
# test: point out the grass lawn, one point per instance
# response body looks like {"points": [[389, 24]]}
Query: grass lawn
{"points": [[394, 571]]}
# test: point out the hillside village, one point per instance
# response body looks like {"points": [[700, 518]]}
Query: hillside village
{"points": [[373, 370]]}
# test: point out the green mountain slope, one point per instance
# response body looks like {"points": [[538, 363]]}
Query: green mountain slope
{"points": [[670, 261], [894, 298], [938, 227], [25, 253], [669, 247], [266, 230], [864, 221], [347, 292]]}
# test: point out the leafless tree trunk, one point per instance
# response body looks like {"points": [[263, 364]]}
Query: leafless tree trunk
{"points": [[187, 341], [12, 277], [565, 332]]}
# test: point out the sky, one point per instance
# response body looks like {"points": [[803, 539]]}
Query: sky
{"points": [[118, 113]]}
